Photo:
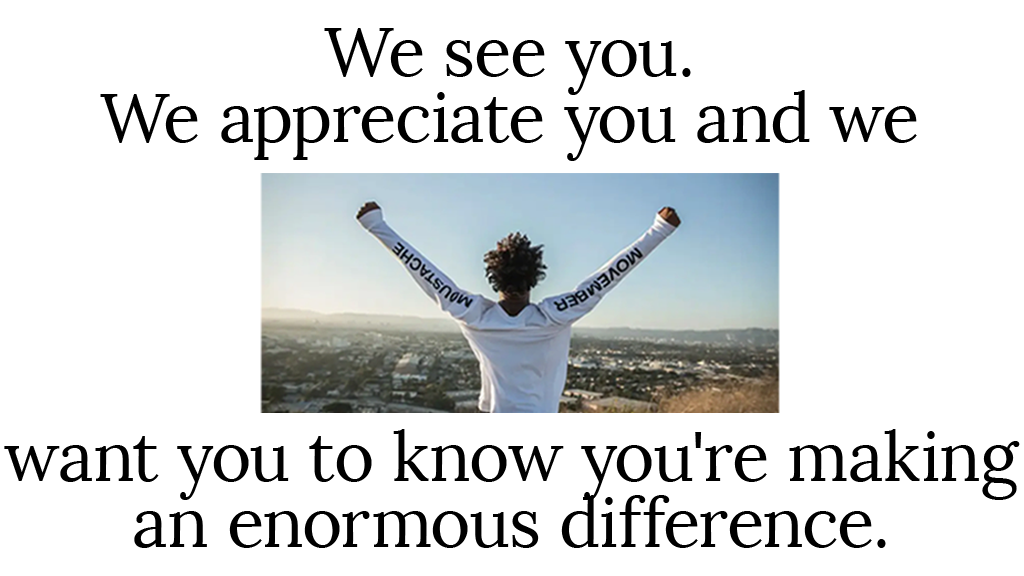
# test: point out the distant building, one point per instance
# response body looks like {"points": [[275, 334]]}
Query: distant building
{"points": [[408, 365], [303, 406], [411, 408], [458, 355], [582, 394], [462, 394], [582, 362]]}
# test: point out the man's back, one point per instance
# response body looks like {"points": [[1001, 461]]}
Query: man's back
{"points": [[523, 359]]}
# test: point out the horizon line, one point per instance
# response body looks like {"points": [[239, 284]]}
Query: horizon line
{"points": [[264, 308]]}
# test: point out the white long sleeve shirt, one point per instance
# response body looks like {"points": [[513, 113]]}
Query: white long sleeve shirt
{"points": [[523, 358]]}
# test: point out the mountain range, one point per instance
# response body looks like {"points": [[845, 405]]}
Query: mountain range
{"points": [[740, 336]]}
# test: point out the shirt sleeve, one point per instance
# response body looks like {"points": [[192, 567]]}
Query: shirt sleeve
{"points": [[571, 306], [459, 304]]}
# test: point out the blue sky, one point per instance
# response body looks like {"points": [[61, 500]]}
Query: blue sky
{"points": [[719, 270]]}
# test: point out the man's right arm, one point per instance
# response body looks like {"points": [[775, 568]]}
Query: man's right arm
{"points": [[442, 290], [571, 306]]}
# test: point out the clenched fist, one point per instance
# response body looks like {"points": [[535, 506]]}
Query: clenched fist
{"points": [[668, 213], [368, 207]]}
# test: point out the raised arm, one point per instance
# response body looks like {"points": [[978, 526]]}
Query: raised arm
{"points": [[449, 297], [571, 306]]}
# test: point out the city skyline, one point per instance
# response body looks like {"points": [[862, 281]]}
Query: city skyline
{"points": [[718, 271], [312, 367]]}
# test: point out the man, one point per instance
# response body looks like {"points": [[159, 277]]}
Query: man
{"points": [[523, 348]]}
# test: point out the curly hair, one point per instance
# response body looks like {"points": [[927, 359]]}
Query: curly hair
{"points": [[515, 266]]}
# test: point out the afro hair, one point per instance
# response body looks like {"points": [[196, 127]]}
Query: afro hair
{"points": [[515, 266]]}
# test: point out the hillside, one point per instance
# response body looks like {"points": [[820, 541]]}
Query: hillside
{"points": [[735, 396]]}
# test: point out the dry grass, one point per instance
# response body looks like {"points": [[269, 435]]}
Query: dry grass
{"points": [[738, 396], [748, 396], [623, 410]]}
